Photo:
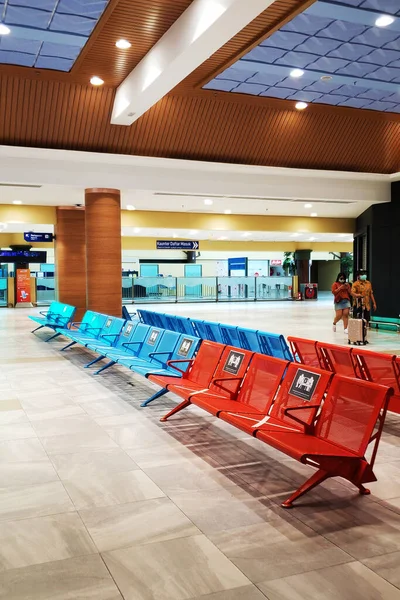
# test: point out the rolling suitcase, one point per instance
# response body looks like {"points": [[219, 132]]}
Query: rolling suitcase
{"points": [[358, 328]]}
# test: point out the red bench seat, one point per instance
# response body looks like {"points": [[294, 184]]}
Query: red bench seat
{"points": [[345, 427]]}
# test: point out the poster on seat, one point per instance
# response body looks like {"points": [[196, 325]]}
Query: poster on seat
{"points": [[23, 286], [304, 384]]}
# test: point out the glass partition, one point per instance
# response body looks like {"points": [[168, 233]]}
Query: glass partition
{"points": [[3, 291], [273, 288], [196, 289], [236, 288], [127, 289], [45, 290], [154, 289]]}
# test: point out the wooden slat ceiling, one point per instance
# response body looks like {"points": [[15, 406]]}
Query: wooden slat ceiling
{"points": [[48, 109]]}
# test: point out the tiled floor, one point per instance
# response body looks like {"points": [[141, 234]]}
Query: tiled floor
{"points": [[99, 500]]}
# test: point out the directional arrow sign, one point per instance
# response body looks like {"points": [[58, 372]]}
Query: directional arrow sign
{"points": [[30, 236], [177, 245]]}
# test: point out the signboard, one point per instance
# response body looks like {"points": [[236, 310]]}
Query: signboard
{"points": [[238, 264], [29, 236], [23, 286], [275, 263], [233, 362], [22, 256], [185, 347], [304, 384], [177, 245]]}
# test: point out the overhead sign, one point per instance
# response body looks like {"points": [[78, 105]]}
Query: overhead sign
{"points": [[29, 236], [177, 245], [238, 264], [23, 256]]}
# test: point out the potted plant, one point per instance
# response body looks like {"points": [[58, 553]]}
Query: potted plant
{"points": [[289, 264]]}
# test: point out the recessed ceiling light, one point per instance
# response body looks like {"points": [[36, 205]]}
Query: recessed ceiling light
{"points": [[228, 211], [96, 80], [130, 207], [174, 236], [311, 239], [294, 235], [208, 201], [246, 234], [326, 78], [137, 230], [296, 73], [314, 215], [4, 30], [123, 44], [301, 105], [384, 21], [17, 202], [308, 205]]}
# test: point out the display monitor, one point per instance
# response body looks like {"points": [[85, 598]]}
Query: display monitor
{"points": [[23, 256]]}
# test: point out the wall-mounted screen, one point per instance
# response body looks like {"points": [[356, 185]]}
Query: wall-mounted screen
{"points": [[23, 256]]}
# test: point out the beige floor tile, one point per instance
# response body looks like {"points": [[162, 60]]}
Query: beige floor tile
{"points": [[161, 456], [386, 566], [185, 477], [65, 426], [83, 578], [77, 442], [33, 501], [10, 405], [345, 582], [107, 407], [11, 417], [208, 509], [249, 592], [111, 488], [45, 539], [16, 431], [136, 523], [88, 463], [186, 568], [277, 549]]}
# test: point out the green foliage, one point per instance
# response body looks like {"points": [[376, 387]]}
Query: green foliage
{"points": [[289, 264]]}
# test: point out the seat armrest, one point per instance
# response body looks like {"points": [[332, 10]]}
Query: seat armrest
{"points": [[171, 363], [295, 408]]}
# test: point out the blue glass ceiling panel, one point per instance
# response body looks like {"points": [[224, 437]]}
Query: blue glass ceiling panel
{"points": [[47, 34], [336, 40]]}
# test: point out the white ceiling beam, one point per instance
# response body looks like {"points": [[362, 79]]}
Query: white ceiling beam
{"points": [[204, 27]]}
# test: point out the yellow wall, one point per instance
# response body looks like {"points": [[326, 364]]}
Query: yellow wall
{"points": [[171, 220], [213, 222], [142, 243]]}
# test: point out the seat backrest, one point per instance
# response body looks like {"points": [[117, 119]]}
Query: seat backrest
{"points": [[230, 371], [213, 332], [150, 343], [186, 347], [146, 316], [378, 367], [274, 344], [350, 412], [66, 313], [184, 325], [165, 347], [202, 369], [92, 323], [261, 382], [230, 335], [248, 339], [111, 329], [200, 328], [337, 359], [305, 351], [164, 320], [137, 338], [301, 386], [126, 333]]}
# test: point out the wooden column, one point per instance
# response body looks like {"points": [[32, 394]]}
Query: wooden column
{"points": [[70, 258], [103, 251]]}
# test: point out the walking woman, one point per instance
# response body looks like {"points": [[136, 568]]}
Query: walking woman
{"points": [[342, 299]]}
